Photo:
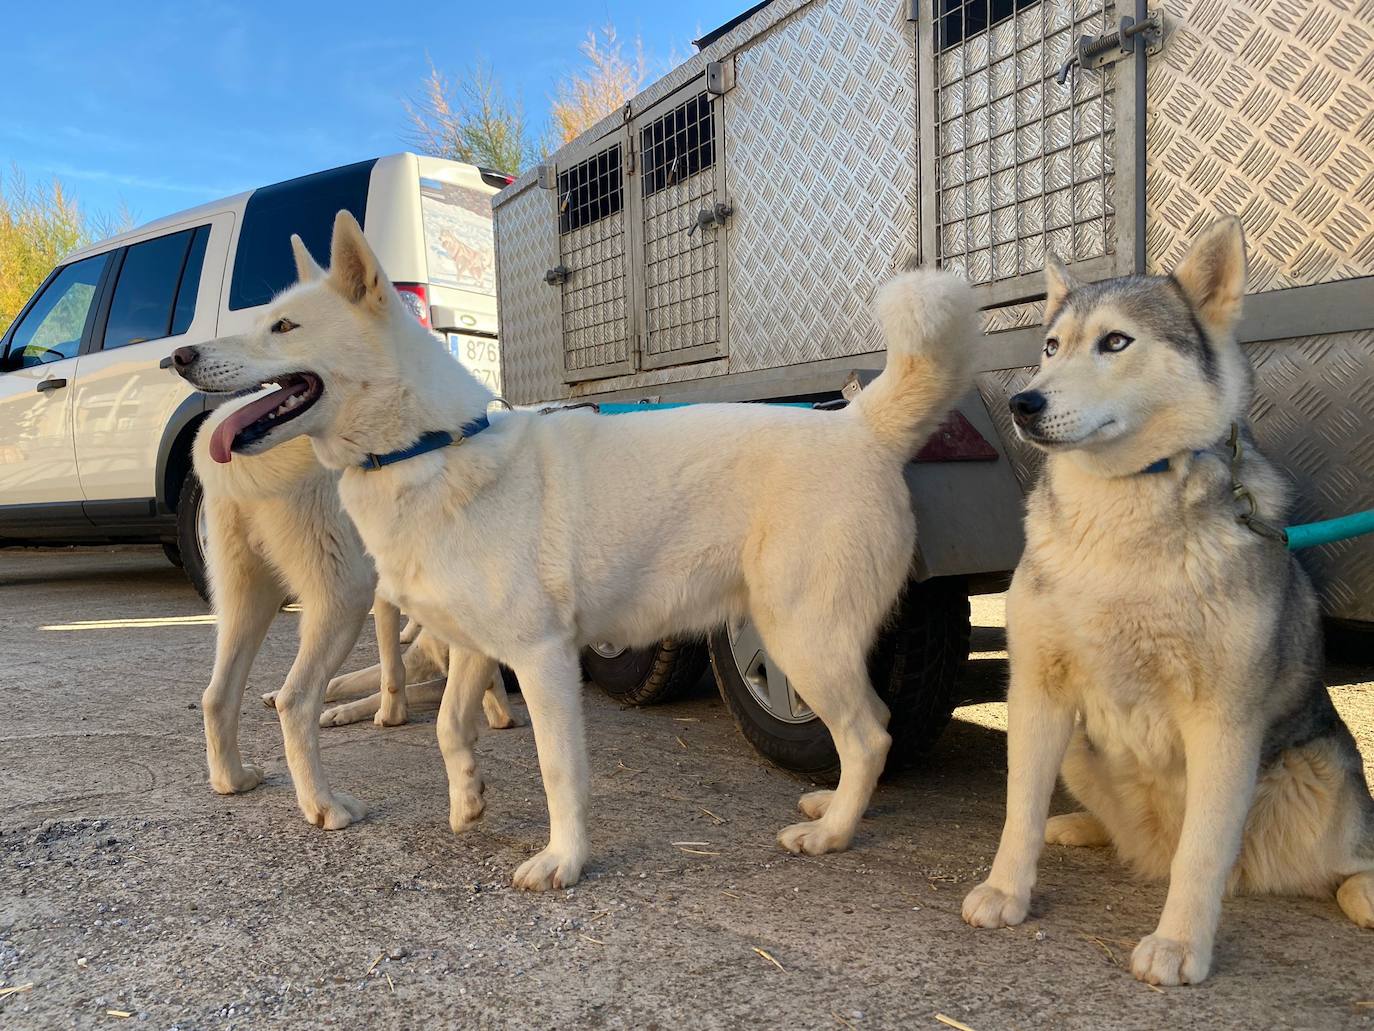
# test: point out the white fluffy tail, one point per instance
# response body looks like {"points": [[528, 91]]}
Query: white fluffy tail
{"points": [[929, 322]]}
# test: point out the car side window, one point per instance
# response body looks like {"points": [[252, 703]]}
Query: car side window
{"points": [[155, 294], [52, 329]]}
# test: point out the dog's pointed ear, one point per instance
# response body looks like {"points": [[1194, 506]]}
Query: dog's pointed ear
{"points": [[307, 269], [1212, 274], [354, 269], [1058, 285]]}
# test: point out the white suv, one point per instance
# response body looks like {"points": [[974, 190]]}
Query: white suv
{"points": [[95, 431]]}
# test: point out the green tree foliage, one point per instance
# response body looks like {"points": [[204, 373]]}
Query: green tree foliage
{"points": [[474, 121], [38, 226]]}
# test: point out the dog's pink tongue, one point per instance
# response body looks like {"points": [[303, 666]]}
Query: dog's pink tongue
{"points": [[222, 440]]}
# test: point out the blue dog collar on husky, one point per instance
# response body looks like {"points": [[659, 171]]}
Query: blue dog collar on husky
{"points": [[431, 441]]}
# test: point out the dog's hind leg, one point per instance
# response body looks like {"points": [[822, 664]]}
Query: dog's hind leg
{"points": [[423, 696], [392, 710], [1355, 896], [837, 689], [1081, 829], [551, 682], [468, 676], [496, 705], [411, 631], [247, 597]]}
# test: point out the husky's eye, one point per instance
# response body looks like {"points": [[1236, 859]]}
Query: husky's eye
{"points": [[1114, 342], [283, 326], [1051, 346]]}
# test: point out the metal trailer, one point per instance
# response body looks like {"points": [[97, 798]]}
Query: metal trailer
{"points": [[721, 237]]}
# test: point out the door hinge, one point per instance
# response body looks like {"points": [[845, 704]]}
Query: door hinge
{"points": [[548, 176], [708, 218], [1093, 52], [557, 275], [720, 76]]}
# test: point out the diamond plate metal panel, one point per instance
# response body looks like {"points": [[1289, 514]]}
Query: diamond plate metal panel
{"points": [[994, 388], [1314, 416], [1025, 165], [529, 309], [1261, 108], [821, 161]]}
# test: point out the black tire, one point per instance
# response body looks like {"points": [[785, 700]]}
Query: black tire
{"points": [[173, 553], [646, 676], [189, 504], [914, 667]]}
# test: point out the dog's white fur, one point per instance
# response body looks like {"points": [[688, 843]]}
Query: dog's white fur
{"points": [[546, 533], [278, 531], [1157, 646]]}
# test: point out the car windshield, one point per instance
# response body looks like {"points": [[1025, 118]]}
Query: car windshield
{"points": [[458, 236]]}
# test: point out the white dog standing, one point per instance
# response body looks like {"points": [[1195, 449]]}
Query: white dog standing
{"points": [[543, 533]]}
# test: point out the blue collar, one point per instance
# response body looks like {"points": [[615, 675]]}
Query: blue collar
{"points": [[1162, 466], [431, 441]]}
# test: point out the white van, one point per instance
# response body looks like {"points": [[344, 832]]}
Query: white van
{"points": [[95, 430]]}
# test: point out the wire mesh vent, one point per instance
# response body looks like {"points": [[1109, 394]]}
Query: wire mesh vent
{"points": [[590, 190], [678, 145], [1024, 166]]}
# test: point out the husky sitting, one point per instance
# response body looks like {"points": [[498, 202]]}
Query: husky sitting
{"points": [[1166, 652], [522, 539], [276, 531]]}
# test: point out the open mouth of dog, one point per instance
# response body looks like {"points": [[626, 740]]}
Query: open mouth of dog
{"points": [[294, 396]]}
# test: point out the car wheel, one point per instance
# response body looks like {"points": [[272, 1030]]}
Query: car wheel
{"points": [[173, 553], [193, 534], [644, 676], [914, 667]]}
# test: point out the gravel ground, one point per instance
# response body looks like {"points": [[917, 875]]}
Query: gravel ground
{"points": [[130, 893]]}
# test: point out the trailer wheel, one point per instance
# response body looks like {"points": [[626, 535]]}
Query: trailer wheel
{"points": [[644, 676], [914, 667]]}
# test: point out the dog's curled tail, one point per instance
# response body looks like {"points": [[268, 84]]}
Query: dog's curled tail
{"points": [[929, 321]]}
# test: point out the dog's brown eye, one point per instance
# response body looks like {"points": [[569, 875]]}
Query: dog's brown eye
{"points": [[283, 326], [1051, 346], [1114, 342]]}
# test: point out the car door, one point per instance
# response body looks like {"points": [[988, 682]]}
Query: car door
{"points": [[163, 294], [38, 370]]}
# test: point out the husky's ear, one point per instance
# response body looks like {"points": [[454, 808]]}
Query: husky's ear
{"points": [[307, 269], [1212, 274], [353, 269], [1058, 285]]}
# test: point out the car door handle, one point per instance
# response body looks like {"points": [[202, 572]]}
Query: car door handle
{"points": [[52, 383]]}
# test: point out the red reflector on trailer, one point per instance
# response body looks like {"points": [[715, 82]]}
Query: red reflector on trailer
{"points": [[416, 298], [956, 440]]}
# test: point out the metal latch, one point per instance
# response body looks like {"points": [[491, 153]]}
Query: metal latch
{"points": [[707, 218], [558, 275], [1094, 52]]}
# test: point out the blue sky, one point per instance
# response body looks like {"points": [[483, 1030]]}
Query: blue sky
{"points": [[163, 106]]}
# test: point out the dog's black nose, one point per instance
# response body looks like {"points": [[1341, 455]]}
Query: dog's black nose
{"points": [[1026, 405], [182, 357]]}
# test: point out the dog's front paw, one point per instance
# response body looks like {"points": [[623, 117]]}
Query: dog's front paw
{"points": [[270, 699], [547, 871], [1165, 961], [987, 906], [236, 782], [466, 806], [815, 804], [506, 721], [334, 812], [813, 838], [389, 717]]}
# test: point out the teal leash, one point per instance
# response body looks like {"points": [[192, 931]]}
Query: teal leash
{"points": [[1328, 531]]}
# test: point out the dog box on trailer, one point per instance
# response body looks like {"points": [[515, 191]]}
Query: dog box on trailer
{"points": [[722, 235]]}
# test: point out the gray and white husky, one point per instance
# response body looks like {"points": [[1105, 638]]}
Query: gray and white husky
{"points": [[1164, 652]]}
